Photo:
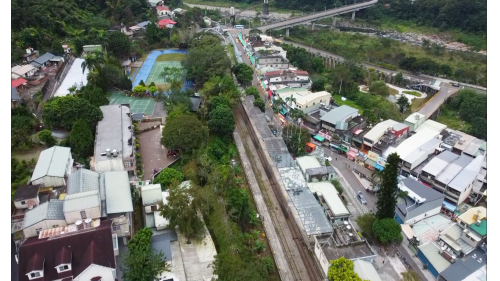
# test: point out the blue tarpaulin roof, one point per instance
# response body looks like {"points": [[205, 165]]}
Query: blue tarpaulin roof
{"points": [[449, 206]]}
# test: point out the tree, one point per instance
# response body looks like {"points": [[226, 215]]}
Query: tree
{"points": [[379, 88], [244, 73], [252, 91], [47, 138], [403, 103], [204, 61], [21, 126], [94, 94], [184, 132], [410, 275], [152, 89], [180, 212], [479, 127], [217, 101], [92, 61], [338, 186], [296, 139], [119, 44], [318, 83], [154, 34], [167, 176], [81, 139], [221, 121], [398, 78], [258, 102], [62, 112], [139, 89], [57, 48], [365, 222], [387, 231], [141, 262], [173, 76], [386, 196], [342, 269]]}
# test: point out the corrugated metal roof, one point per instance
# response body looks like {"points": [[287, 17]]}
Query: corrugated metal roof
{"points": [[366, 270], [332, 198], [307, 162], [420, 138], [431, 124], [439, 163], [118, 196], [151, 194], [425, 149], [378, 130], [338, 114], [52, 162], [431, 252], [83, 180], [51, 210], [44, 58], [468, 175], [454, 168], [81, 201]]}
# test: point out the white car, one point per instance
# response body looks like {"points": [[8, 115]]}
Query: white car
{"points": [[328, 158]]}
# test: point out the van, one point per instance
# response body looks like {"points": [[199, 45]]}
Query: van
{"points": [[310, 147]]}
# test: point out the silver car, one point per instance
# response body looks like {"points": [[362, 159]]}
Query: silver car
{"points": [[361, 198]]}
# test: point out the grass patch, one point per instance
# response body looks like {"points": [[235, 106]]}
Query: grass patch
{"points": [[452, 119], [413, 93], [32, 153], [162, 87], [171, 57], [339, 101], [392, 91], [416, 104]]}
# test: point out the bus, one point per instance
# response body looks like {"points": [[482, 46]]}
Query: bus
{"points": [[239, 26], [310, 147]]}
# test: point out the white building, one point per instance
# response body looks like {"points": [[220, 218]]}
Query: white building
{"points": [[305, 101], [53, 167], [114, 141]]}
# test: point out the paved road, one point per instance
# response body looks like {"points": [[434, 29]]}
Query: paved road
{"points": [[435, 102], [317, 16]]}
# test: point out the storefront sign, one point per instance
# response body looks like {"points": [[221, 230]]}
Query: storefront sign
{"points": [[373, 156], [325, 135]]}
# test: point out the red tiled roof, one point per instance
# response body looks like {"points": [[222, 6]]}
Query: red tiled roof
{"points": [[165, 22], [301, 72], [162, 8], [18, 82], [273, 73], [87, 247]]}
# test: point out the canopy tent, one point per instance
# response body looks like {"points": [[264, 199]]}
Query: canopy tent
{"points": [[351, 154], [449, 206], [319, 138]]}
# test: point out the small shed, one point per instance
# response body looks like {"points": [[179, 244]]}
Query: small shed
{"points": [[27, 196], [53, 167]]}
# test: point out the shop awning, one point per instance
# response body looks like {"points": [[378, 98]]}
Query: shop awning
{"points": [[370, 162], [358, 131], [449, 206], [351, 154], [319, 138], [334, 146], [379, 167], [343, 148]]}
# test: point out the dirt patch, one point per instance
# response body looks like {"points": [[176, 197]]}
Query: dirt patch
{"points": [[153, 153]]}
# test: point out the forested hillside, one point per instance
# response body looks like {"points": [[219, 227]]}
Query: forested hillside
{"points": [[42, 24]]}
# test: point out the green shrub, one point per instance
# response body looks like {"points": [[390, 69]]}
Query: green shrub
{"points": [[387, 231]]}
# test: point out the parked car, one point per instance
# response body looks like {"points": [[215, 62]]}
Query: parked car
{"points": [[328, 158], [361, 198]]}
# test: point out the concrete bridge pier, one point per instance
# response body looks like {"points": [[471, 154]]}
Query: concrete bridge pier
{"points": [[334, 22], [287, 32], [353, 15]]}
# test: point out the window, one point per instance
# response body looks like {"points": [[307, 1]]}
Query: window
{"points": [[116, 227], [63, 267], [128, 164], [38, 230], [35, 274], [23, 202], [83, 215]]}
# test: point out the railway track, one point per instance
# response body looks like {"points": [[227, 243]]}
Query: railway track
{"points": [[243, 123]]}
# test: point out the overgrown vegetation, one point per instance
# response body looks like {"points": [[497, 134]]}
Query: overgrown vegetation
{"points": [[429, 59]]}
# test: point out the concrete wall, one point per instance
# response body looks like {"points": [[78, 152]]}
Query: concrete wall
{"points": [[106, 273], [44, 225], [92, 213], [313, 105], [465, 194], [124, 223], [18, 204], [323, 261], [50, 181]]}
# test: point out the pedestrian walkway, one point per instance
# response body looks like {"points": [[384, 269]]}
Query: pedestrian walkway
{"points": [[363, 181]]}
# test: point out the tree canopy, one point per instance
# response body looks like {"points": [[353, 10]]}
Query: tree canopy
{"points": [[387, 230], [296, 139], [141, 263], [221, 121], [62, 112], [47, 138], [403, 103], [181, 213], [21, 126], [387, 195], [184, 132], [244, 73], [81, 138], [119, 44], [379, 88], [342, 269], [167, 176]]}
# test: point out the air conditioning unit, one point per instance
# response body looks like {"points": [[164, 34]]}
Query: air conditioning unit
{"points": [[148, 209]]}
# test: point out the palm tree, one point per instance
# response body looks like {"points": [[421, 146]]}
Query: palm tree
{"points": [[93, 61], [173, 76], [291, 99], [402, 195]]}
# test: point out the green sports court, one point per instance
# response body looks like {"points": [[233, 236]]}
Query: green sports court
{"points": [[137, 105], [154, 75]]}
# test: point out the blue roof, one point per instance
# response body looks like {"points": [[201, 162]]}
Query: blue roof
{"points": [[161, 243], [449, 206]]}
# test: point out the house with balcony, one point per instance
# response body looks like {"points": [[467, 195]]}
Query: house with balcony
{"points": [[421, 202], [341, 122], [152, 197], [30, 55], [271, 59], [70, 253], [26, 197], [304, 101], [53, 167], [453, 175], [114, 147], [329, 198], [288, 76], [24, 71], [384, 134]]}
